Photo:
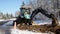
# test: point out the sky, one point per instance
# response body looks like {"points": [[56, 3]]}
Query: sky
{"points": [[10, 6]]}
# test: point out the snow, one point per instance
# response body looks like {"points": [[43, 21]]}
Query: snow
{"points": [[17, 31], [42, 22]]}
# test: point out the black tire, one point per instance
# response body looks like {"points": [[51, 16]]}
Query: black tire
{"points": [[29, 21]]}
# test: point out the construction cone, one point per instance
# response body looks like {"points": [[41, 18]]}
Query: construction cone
{"points": [[15, 25]]}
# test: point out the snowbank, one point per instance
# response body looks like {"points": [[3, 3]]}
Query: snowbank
{"points": [[17, 31]]}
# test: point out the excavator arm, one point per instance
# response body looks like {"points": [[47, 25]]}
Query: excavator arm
{"points": [[36, 11], [44, 12]]}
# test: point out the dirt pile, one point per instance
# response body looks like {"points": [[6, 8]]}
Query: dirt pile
{"points": [[34, 28]]}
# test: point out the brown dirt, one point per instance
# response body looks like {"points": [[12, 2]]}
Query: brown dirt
{"points": [[39, 28]]}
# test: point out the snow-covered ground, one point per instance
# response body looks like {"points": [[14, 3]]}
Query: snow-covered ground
{"points": [[17, 31]]}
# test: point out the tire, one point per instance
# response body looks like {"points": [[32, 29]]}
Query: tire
{"points": [[30, 23]]}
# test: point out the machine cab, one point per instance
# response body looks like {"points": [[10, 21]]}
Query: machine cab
{"points": [[24, 9]]}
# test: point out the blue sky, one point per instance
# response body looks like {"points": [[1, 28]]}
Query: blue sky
{"points": [[10, 6]]}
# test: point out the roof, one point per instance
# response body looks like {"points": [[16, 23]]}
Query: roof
{"points": [[25, 7]]}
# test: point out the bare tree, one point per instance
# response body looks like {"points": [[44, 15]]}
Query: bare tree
{"points": [[51, 6]]}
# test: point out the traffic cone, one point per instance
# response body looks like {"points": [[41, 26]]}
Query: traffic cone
{"points": [[15, 25]]}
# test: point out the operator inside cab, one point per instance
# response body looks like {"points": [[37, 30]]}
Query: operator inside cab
{"points": [[26, 15]]}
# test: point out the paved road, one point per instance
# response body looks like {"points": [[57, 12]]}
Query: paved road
{"points": [[5, 30]]}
